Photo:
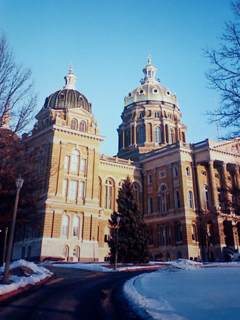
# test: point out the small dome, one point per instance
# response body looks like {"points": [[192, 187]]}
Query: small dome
{"points": [[150, 89], [68, 97]]}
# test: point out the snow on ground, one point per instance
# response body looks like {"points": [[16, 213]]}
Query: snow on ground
{"points": [[187, 291], [17, 282]]}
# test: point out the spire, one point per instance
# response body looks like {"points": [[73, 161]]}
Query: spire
{"points": [[70, 79], [149, 72]]}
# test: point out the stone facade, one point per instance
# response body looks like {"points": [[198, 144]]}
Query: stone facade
{"points": [[181, 187]]}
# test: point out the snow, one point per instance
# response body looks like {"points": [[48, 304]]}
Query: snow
{"points": [[186, 290], [39, 274]]}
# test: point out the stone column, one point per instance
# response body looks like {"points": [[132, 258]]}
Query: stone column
{"points": [[212, 185]]}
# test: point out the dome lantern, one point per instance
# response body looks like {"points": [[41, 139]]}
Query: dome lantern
{"points": [[70, 79], [149, 72]]}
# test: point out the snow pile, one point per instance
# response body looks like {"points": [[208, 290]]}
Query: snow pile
{"points": [[182, 264], [39, 273], [85, 266], [197, 293]]}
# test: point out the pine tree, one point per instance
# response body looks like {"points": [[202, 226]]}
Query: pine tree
{"points": [[133, 232]]}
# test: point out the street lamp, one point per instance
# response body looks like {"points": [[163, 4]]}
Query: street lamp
{"points": [[116, 252], [5, 280]]}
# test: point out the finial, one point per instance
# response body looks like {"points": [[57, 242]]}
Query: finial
{"points": [[149, 58], [70, 79]]}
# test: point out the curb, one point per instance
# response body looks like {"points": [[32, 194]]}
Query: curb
{"points": [[16, 292]]}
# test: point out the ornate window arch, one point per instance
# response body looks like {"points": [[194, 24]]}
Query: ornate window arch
{"points": [[82, 126], [74, 124], [109, 194], [190, 199]]}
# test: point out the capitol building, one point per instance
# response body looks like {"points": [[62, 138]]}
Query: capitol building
{"points": [[181, 188]]}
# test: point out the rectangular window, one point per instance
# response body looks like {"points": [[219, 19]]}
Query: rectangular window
{"points": [[66, 162], [64, 189], [83, 165], [73, 190], [81, 190]]}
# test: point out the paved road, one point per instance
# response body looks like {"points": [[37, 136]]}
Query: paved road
{"points": [[73, 294]]}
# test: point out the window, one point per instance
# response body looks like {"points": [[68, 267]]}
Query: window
{"points": [[76, 226], [177, 199], [151, 242], [205, 197], [141, 135], [83, 165], [163, 199], [188, 171], [65, 251], [66, 162], [161, 236], [73, 190], [194, 233], [179, 231], [41, 164], [82, 126], [74, 124], [162, 174], [158, 135], [171, 136], [74, 161], [108, 194], [167, 235], [64, 189], [65, 226], [149, 178], [150, 205], [156, 114], [175, 171], [136, 190], [190, 199], [76, 252], [81, 194]]}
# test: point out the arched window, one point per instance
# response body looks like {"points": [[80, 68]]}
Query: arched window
{"points": [[65, 226], [108, 194], [171, 136], [194, 233], [150, 205], [72, 194], [75, 161], [136, 190], [76, 226], [127, 138], [190, 199], [81, 193], [163, 199], [168, 257], [141, 133], [76, 252], [65, 252], [175, 171], [177, 203], [74, 124], [167, 235], [188, 171], [156, 115], [158, 135], [179, 231], [205, 197], [82, 126], [161, 236]]}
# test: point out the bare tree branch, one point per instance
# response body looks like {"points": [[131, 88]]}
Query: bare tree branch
{"points": [[17, 99]]}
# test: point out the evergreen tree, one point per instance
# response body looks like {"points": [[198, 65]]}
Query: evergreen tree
{"points": [[133, 232]]}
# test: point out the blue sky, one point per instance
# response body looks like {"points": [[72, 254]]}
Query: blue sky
{"points": [[108, 43]]}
